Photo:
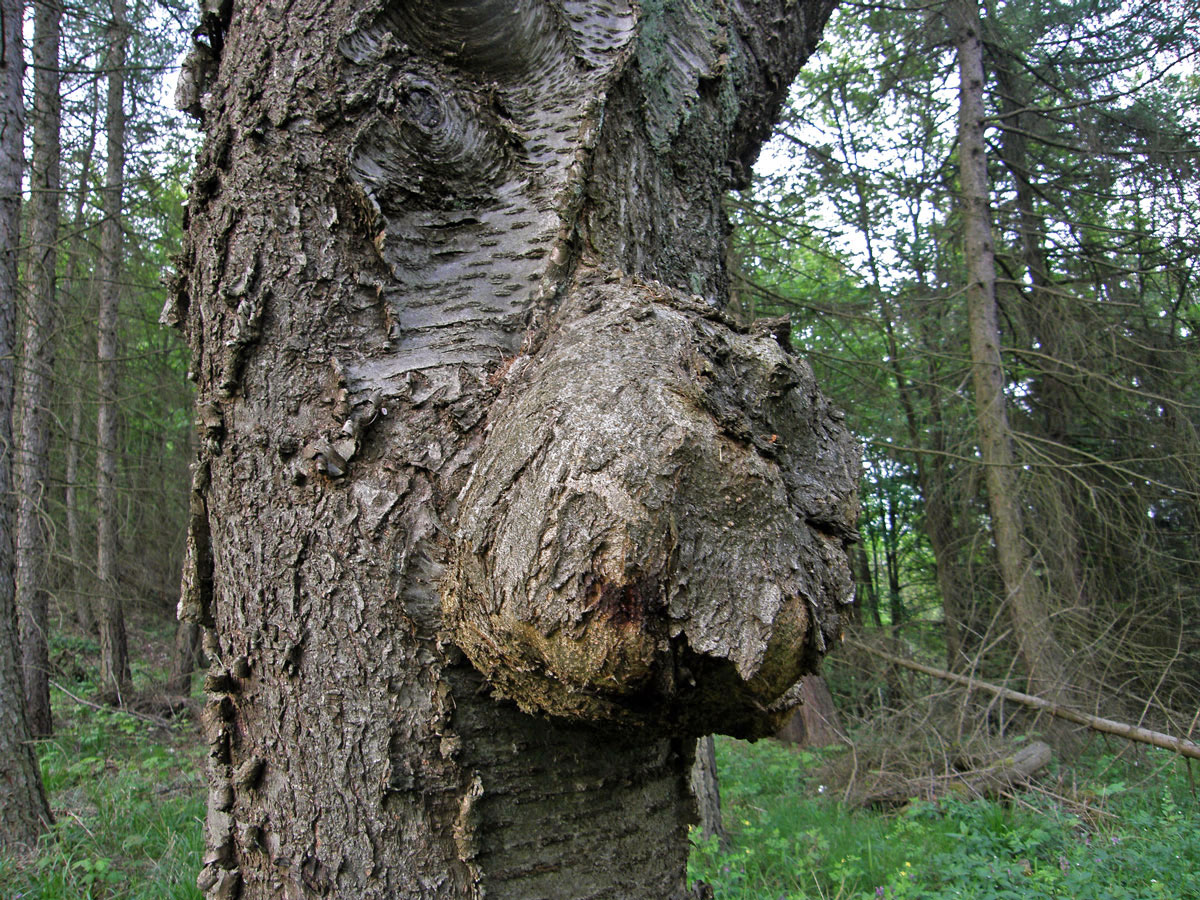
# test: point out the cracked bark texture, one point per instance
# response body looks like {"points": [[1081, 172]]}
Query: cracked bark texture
{"points": [[492, 503]]}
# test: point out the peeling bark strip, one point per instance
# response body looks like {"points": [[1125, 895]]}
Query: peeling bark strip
{"points": [[401, 341]]}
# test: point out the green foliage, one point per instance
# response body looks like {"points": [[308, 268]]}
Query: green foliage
{"points": [[129, 800], [791, 837], [853, 230]]}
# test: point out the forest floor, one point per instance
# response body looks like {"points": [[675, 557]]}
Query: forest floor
{"points": [[1120, 824], [126, 788]]}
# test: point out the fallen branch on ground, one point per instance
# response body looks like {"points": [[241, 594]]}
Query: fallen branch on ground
{"points": [[1181, 746], [989, 781], [153, 720]]}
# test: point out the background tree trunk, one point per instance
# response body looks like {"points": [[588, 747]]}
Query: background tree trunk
{"points": [[75, 287], [184, 658], [114, 653], [405, 221], [1026, 599], [41, 323], [706, 788], [816, 722], [24, 813]]}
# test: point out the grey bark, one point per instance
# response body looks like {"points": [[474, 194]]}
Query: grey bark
{"points": [[1027, 601], [24, 813], [706, 788], [81, 581], [110, 615], [427, 244], [33, 451]]}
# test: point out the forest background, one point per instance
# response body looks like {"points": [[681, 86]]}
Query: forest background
{"points": [[1042, 536]]}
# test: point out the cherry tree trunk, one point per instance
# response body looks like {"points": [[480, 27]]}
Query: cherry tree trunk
{"points": [[495, 511]]}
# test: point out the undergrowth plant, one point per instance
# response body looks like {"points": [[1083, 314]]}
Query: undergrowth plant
{"points": [[1129, 834], [128, 797]]}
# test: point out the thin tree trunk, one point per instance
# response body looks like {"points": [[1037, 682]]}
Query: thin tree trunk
{"points": [[41, 321], [84, 615], [494, 513], [868, 596], [184, 658], [706, 788], [188, 634], [24, 813], [114, 653], [81, 574], [1027, 602]]}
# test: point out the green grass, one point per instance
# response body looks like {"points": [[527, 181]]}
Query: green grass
{"points": [[790, 839], [129, 799], [129, 802]]}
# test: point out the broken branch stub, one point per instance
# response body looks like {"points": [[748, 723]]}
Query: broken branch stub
{"points": [[656, 527]]}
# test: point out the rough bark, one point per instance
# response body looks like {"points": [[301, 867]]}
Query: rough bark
{"points": [[23, 810], [706, 788], [33, 451], [428, 244], [1026, 599], [110, 614]]}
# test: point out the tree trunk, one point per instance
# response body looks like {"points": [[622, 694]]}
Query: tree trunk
{"points": [[24, 813], [81, 580], [33, 453], [84, 615], [114, 653], [816, 722], [867, 594], [184, 658], [1027, 601], [188, 633], [468, 405], [706, 788]]}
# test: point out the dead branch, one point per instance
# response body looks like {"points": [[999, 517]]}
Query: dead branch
{"points": [[1178, 745], [144, 717], [989, 781]]}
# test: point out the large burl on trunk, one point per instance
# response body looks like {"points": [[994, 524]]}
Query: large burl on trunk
{"points": [[495, 511], [653, 531]]}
